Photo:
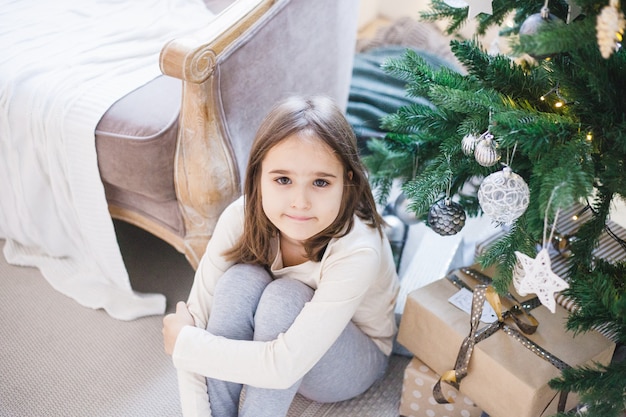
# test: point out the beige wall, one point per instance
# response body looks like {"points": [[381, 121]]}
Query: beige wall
{"points": [[368, 12], [390, 9], [394, 9]]}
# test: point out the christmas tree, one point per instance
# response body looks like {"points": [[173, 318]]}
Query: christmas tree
{"points": [[520, 137]]}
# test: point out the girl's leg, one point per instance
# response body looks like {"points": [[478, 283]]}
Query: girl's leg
{"points": [[351, 365], [235, 301], [279, 306]]}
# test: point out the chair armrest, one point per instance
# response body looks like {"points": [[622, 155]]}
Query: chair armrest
{"points": [[192, 58], [206, 175]]}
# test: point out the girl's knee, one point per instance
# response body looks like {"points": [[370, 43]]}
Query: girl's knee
{"points": [[287, 290], [235, 301], [244, 276], [280, 304], [245, 271]]}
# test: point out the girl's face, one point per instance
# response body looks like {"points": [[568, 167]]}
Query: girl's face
{"points": [[301, 186]]}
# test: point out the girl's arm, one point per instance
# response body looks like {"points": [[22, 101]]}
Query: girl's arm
{"points": [[194, 399], [281, 362], [192, 386]]}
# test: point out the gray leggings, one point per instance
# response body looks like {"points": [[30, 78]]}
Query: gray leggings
{"points": [[249, 305]]}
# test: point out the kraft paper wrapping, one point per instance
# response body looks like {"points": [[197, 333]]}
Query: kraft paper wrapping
{"points": [[504, 379], [417, 395]]}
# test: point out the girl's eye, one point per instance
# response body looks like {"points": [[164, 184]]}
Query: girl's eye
{"points": [[320, 183], [283, 180]]}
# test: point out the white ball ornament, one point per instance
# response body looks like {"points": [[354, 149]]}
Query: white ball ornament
{"points": [[503, 196]]}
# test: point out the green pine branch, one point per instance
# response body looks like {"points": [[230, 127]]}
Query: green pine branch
{"points": [[601, 388], [601, 292], [501, 256]]}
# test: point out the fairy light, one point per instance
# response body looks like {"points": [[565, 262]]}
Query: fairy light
{"points": [[589, 137], [577, 215], [560, 102]]}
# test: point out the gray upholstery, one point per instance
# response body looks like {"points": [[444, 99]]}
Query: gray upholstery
{"points": [[313, 61], [135, 144], [298, 47]]}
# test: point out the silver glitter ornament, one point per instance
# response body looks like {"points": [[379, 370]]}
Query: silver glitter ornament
{"points": [[535, 22], [446, 217], [468, 144], [402, 210], [394, 228], [486, 152], [503, 196]]}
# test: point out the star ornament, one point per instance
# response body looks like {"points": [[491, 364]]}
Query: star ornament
{"points": [[536, 276], [476, 7]]}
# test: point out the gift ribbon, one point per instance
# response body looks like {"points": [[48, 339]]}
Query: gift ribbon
{"points": [[520, 312], [481, 293], [454, 376], [535, 348]]}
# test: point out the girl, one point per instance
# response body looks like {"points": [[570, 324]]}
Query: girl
{"points": [[296, 290]]}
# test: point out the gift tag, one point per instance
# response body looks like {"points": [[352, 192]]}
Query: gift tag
{"points": [[463, 300]]}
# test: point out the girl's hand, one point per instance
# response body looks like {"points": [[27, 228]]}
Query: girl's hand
{"points": [[173, 324]]}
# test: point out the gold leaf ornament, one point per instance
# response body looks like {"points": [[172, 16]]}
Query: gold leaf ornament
{"points": [[610, 28]]}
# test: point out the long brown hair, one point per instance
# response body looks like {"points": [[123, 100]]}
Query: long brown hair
{"points": [[320, 118]]}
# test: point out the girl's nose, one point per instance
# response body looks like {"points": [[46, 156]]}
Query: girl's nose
{"points": [[300, 199]]}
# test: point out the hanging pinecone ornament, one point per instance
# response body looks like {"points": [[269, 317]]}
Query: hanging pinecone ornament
{"points": [[468, 144], [610, 26], [486, 152], [446, 217], [503, 196]]}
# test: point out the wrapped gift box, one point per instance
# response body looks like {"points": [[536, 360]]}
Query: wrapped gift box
{"points": [[417, 396], [504, 378], [568, 223]]}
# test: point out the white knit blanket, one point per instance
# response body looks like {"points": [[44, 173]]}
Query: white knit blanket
{"points": [[63, 63]]}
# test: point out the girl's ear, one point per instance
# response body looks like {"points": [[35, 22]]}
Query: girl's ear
{"points": [[350, 175]]}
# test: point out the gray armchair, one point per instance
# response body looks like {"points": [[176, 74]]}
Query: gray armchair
{"points": [[172, 154]]}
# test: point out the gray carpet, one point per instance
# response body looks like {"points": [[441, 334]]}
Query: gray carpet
{"points": [[61, 359]]}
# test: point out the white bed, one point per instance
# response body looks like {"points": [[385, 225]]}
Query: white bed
{"points": [[63, 64]]}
